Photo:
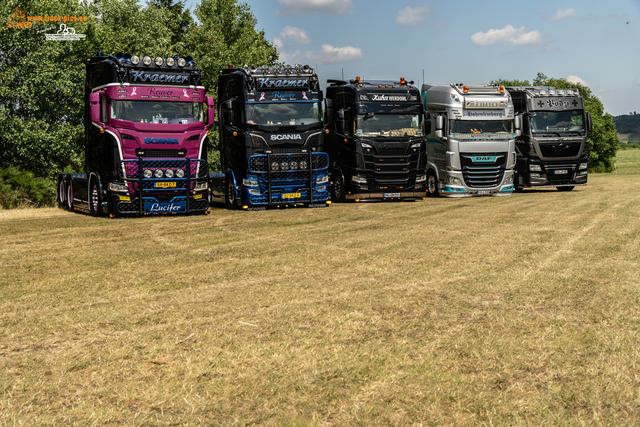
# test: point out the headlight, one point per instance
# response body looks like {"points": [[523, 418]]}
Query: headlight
{"points": [[248, 182], [135, 59], [359, 179], [416, 145], [322, 179], [146, 60], [182, 62], [583, 166], [421, 178], [180, 173], [168, 173], [453, 180], [284, 166], [535, 175], [114, 186], [275, 166], [294, 165], [365, 145], [147, 173], [323, 188], [159, 61], [535, 168], [509, 179], [158, 173], [200, 186], [454, 98], [303, 165], [170, 61]]}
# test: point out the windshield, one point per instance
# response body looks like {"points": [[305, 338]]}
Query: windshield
{"points": [[557, 121], [283, 113], [481, 126], [389, 125], [168, 112]]}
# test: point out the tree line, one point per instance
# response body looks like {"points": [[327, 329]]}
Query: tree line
{"points": [[42, 82]]}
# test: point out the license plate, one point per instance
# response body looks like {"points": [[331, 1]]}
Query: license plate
{"points": [[561, 172], [391, 194], [483, 192], [165, 184], [291, 195], [125, 198]]}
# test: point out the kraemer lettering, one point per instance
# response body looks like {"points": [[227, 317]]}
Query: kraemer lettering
{"points": [[157, 77], [266, 82]]}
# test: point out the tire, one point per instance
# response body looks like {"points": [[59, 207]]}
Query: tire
{"points": [[337, 187], [230, 193], [68, 187], [565, 188], [60, 191], [432, 185], [95, 198]]}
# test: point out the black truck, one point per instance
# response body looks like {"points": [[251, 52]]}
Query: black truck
{"points": [[145, 138], [272, 136], [376, 145], [552, 149]]}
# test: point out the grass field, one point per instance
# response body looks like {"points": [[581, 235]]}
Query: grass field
{"points": [[521, 310]]}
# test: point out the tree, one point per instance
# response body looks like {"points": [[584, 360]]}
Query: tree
{"points": [[226, 36], [603, 140]]}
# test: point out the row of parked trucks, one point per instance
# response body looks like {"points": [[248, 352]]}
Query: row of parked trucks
{"points": [[282, 143]]}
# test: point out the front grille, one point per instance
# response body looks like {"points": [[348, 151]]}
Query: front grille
{"points": [[392, 148], [129, 169], [483, 175], [160, 153], [563, 149]]}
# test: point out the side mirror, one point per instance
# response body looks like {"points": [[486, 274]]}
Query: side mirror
{"points": [[517, 122], [227, 105], [439, 125], [328, 111], [589, 123], [94, 106], [427, 123], [439, 134], [340, 122], [518, 132], [211, 111]]}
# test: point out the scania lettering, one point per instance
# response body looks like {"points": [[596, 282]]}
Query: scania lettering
{"points": [[272, 137], [145, 139], [552, 150], [376, 147], [471, 131]]}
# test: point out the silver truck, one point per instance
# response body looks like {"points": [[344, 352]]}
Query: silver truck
{"points": [[471, 132]]}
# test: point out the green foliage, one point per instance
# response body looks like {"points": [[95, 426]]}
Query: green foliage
{"points": [[627, 123], [21, 189], [505, 82], [603, 139], [629, 146]]}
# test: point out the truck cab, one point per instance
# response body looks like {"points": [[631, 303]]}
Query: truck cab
{"points": [[552, 150], [272, 137], [376, 143], [145, 138], [471, 131]]}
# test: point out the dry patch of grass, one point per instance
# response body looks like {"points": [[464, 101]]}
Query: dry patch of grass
{"points": [[519, 310]]}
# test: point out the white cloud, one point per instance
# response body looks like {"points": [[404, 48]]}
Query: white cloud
{"points": [[507, 36], [297, 7], [332, 55], [562, 14], [576, 79], [413, 15], [296, 34]]}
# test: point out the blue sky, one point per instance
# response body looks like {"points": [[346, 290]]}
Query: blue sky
{"points": [[594, 42]]}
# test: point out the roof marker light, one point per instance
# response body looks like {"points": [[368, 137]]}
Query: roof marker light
{"points": [[501, 89], [127, 57], [402, 81], [465, 89], [357, 79]]}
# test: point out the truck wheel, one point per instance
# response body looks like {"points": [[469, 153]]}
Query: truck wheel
{"points": [[565, 188], [337, 187], [432, 185], [69, 194], [230, 193], [60, 192], [95, 198]]}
